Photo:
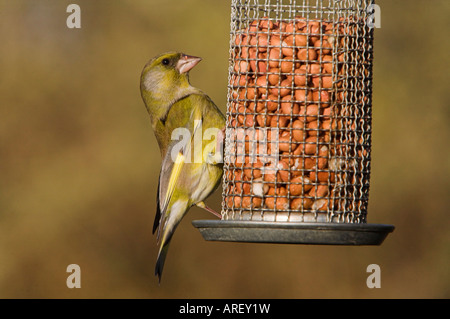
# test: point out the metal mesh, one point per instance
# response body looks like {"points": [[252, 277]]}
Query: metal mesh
{"points": [[299, 111]]}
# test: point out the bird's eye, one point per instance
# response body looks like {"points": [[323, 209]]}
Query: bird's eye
{"points": [[165, 61]]}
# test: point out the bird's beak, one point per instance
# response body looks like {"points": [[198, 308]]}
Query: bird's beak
{"points": [[187, 62]]}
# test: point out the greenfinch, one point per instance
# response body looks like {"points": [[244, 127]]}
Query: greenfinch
{"points": [[182, 118]]}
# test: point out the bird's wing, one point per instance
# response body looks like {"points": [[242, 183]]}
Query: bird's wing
{"points": [[175, 171], [182, 182], [165, 193], [170, 172]]}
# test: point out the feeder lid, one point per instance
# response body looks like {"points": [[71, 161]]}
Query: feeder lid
{"points": [[293, 233]]}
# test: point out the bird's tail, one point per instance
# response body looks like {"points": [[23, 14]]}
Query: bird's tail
{"points": [[160, 261], [177, 211]]}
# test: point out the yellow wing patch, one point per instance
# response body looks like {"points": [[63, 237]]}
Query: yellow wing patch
{"points": [[176, 170], [175, 173]]}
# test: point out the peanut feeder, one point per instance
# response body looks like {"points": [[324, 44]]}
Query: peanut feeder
{"points": [[299, 124]]}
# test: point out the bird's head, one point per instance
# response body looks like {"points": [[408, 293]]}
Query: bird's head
{"points": [[165, 79]]}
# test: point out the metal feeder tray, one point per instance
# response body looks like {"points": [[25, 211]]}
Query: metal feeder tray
{"points": [[293, 233]]}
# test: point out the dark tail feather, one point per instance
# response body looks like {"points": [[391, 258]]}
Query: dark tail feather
{"points": [[158, 210], [160, 261], [176, 214]]}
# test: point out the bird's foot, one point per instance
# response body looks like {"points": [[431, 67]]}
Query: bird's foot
{"points": [[212, 211]]}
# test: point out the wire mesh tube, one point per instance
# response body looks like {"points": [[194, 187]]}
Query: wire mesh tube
{"points": [[298, 136]]}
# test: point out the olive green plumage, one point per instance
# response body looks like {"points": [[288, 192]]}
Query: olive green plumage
{"points": [[191, 173]]}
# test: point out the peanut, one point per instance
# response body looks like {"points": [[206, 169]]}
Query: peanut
{"points": [[298, 184], [279, 121], [272, 103], [251, 202], [327, 64], [313, 128], [324, 82], [301, 203], [319, 191], [303, 96], [283, 170], [325, 46], [274, 57], [297, 130], [307, 54], [254, 171], [284, 141], [286, 65], [299, 77], [321, 96], [263, 120], [288, 106], [285, 87], [310, 145], [274, 76], [261, 83], [277, 200]]}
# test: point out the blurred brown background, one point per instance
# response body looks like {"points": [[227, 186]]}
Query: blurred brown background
{"points": [[79, 162]]}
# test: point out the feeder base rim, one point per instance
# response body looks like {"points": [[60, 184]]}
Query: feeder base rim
{"points": [[293, 233]]}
